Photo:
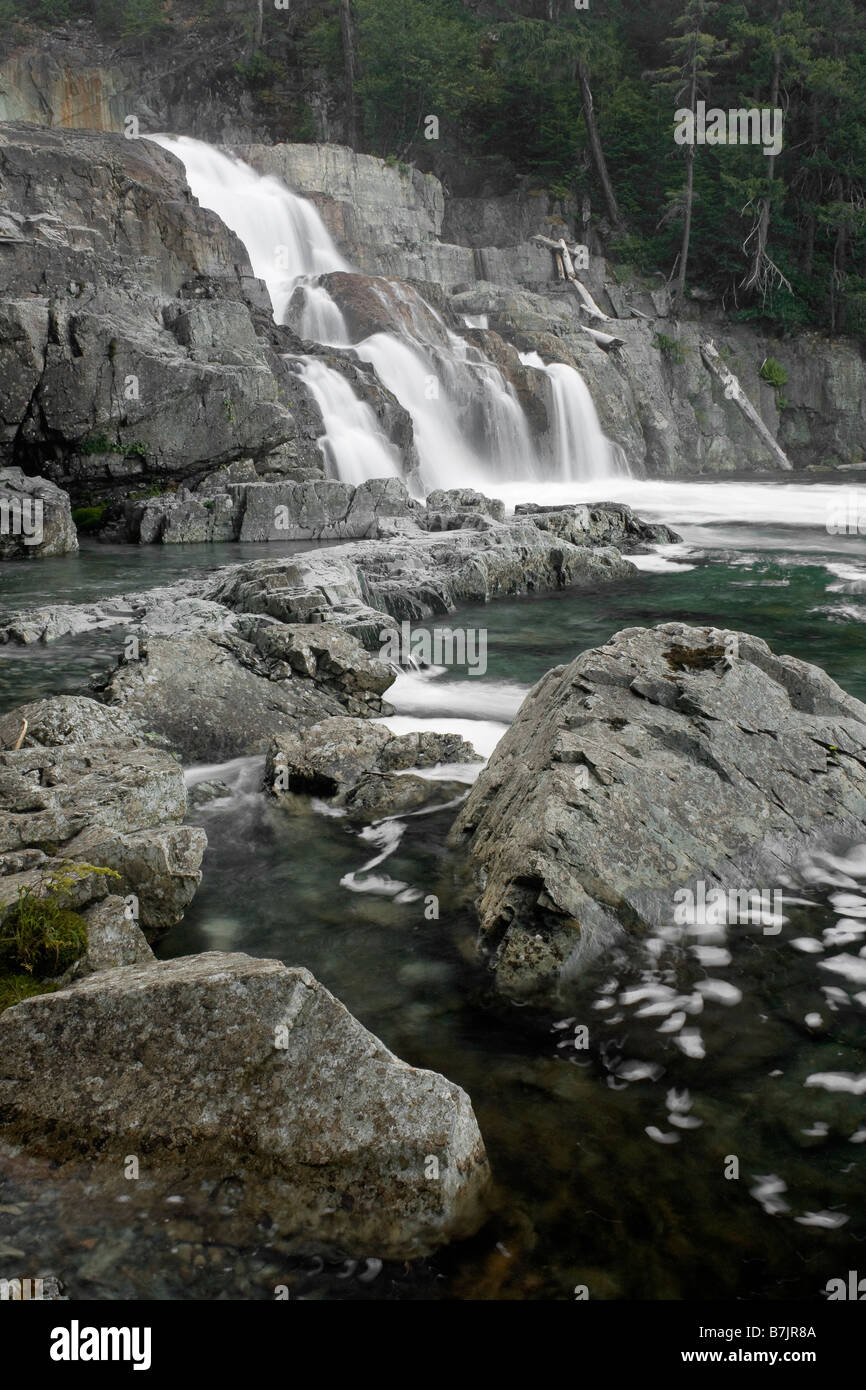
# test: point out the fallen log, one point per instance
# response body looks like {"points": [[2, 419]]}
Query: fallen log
{"points": [[604, 340], [734, 392], [565, 266]]}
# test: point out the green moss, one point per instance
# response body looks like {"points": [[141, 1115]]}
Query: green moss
{"points": [[89, 518], [41, 935]]}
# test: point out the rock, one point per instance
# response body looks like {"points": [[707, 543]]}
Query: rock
{"points": [[236, 1069], [35, 517], [203, 793], [459, 501], [607, 523], [98, 795], [370, 304], [218, 696], [134, 337], [325, 510], [65, 719], [357, 765], [114, 938], [645, 766], [364, 584]]}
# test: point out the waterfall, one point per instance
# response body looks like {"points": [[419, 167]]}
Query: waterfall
{"points": [[470, 429], [353, 446], [285, 237], [579, 448]]}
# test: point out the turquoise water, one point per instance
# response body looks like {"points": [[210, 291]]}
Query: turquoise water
{"points": [[610, 1162]]}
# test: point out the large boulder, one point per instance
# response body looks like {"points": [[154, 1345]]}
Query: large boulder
{"points": [[667, 759], [35, 517], [212, 696], [218, 1069], [86, 788]]}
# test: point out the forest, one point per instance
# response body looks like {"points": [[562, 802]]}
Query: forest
{"points": [[582, 101]]}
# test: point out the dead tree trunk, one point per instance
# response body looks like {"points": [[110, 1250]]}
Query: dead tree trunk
{"points": [[347, 29], [734, 392], [613, 211]]}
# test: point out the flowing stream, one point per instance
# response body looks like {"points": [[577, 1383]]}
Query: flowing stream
{"points": [[609, 1162]]}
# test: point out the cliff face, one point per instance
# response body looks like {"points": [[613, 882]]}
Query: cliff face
{"points": [[467, 255], [475, 257]]}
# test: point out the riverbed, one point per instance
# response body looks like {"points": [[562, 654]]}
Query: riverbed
{"points": [[722, 1159]]}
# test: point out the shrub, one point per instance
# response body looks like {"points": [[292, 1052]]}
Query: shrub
{"points": [[89, 518], [41, 935], [773, 372], [669, 347]]}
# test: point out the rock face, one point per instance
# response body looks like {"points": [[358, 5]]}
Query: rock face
{"points": [[98, 795], [233, 1068], [35, 517], [222, 696], [359, 766], [667, 757], [135, 343]]}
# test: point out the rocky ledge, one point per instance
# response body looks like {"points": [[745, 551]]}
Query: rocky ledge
{"points": [[245, 1086], [222, 664], [670, 760]]}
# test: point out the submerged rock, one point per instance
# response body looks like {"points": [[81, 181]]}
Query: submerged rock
{"points": [[219, 1069], [666, 759]]}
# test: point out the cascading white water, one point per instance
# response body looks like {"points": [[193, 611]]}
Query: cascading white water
{"points": [[353, 446], [470, 429], [285, 237], [579, 447]]}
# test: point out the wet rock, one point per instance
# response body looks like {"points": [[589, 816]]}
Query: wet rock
{"points": [[607, 523], [370, 304], [457, 502], [358, 766], [247, 1074], [668, 756], [35, 517], [414, 578]]}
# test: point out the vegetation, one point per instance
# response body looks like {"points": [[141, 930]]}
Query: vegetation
{"points": [[41, 934], [670, 348], [773, 372], [583, 102], [89, 518]]}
